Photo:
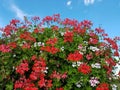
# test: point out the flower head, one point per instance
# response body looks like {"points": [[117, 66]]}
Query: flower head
{"points": [[94, 81], [84, 68], [103, 86]]}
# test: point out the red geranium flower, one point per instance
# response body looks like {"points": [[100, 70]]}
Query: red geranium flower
{"points": [[36, 30], [103, 86], [12, 44], [22, 67], [68, 36], [55, 28], [76, 56], [84, 68], [41, 83], [27, 36], [5, 48], [52, 41], [60, 88], [52, 49], [49, 83], [93, 41]]}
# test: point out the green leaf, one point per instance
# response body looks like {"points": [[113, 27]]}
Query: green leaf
{"points": [[88, 88], [1, 78], [9, 86]]}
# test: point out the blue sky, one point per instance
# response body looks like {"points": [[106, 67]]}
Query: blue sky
{"points": [[104, 13]]}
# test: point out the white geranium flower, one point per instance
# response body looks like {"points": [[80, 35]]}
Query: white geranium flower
{"points": [[13, 67], [84, 49], [43, 44], [62, 48], [45, 71], [41, 51], [114, 87], [96, 65], [74, 64], [93, 65], [85, 42], [39, 43], [78, 63], [35, 44], [94, 48], [21, 44], [78, 84], [46, 67], [115, 76], [81, 52], [17, 39], [14, 55], [62, 33]]}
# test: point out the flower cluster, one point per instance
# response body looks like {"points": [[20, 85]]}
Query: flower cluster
{"points": [[84, 68], [22, 67], [93, 81], [56, 54], [103, 86], [76, 56]]}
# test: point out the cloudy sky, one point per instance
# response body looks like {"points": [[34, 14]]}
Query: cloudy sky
{"points": [[104, 13]]}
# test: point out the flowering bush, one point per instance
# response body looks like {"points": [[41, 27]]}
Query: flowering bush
{"points": [[55, 54]]}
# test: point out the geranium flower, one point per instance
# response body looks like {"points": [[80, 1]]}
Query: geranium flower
{"points": [[76, 56], [68, 37], [103, 86], [94, 81], [22, 68], [84, 68], [96, 65], [5, 48]]}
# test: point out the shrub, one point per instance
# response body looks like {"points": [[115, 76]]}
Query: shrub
{"points": [[56, 54]]}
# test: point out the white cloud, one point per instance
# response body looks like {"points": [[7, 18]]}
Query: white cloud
{"points": [[19, 13], [69, 3], [87, 2]]}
